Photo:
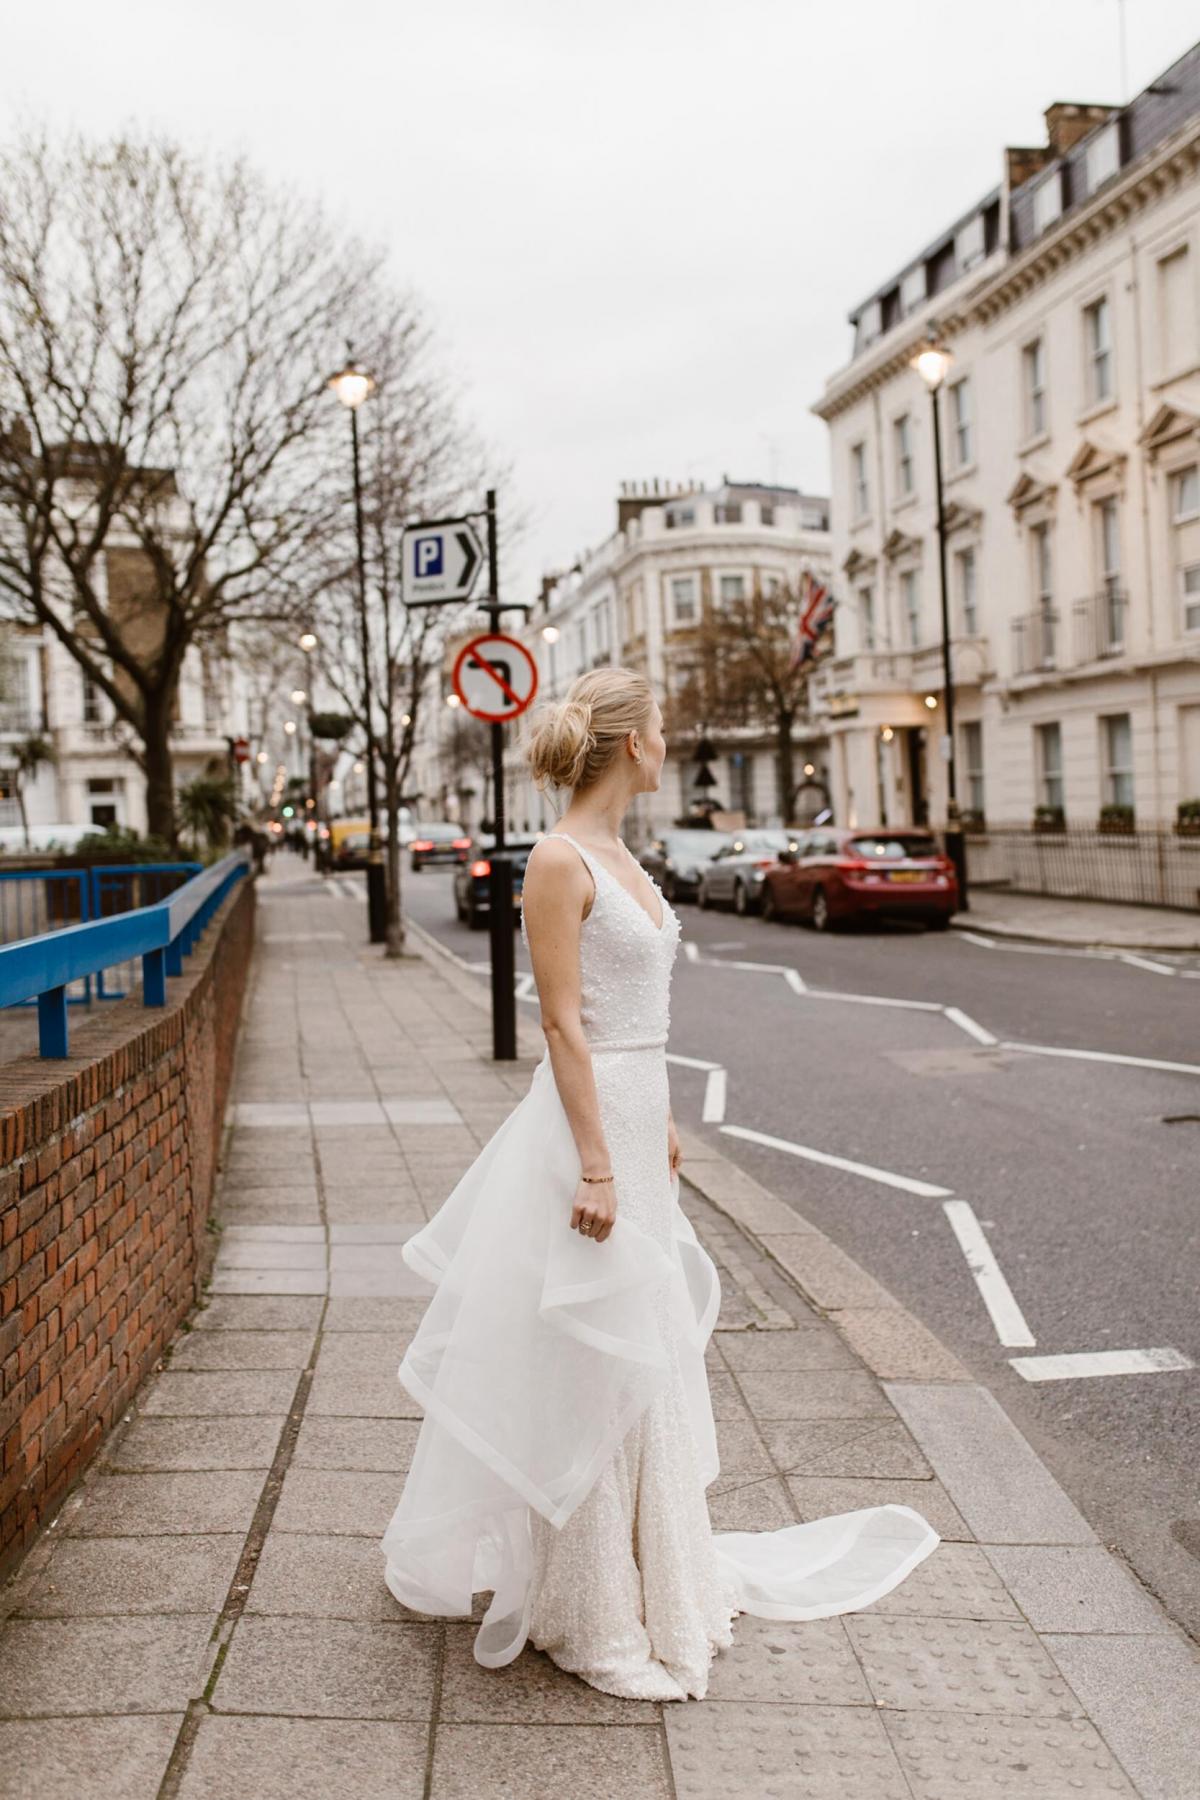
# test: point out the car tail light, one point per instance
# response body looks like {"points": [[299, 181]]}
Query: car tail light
{"points": [[422, 844], [483, 867], [852, 865], [460, 844], [764, 862]]}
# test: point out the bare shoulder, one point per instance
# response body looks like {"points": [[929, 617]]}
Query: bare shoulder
{"points": [[555, 875]]}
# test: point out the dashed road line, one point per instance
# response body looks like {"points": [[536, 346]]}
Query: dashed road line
{"points": [[966, 1023], [997, 1296], [714, 1098], [1099, 1362], [1107, 1056], [886, 1177]]}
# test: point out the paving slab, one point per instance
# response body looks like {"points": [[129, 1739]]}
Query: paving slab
{"points": [[271, 1251], [1143, 1695], [811, 1664], [814, 1394], [95, 1576], [781, 1752], [874, 1447], [547, 1762], [955, 1665], [87, 1758], [347, 1503], [306, 1759], [128, 1665], [362, 1353], [956, 1582], [207, 1502], [223, 1393], [1075, 1587], [165, 1444], [320, 1576], [817, 1496], [749, 1503], [531, 1690], [949, 1756], [219, 1350], [268, 1312], [328, 1668], [384, 1446], [776, 1351]]}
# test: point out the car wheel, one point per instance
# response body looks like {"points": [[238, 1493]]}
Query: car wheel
{"points": [[473, 918], [741, 900], [820, 911], [942, 924], [670, 891], [702, 899], [460, 911], [767, 906]]}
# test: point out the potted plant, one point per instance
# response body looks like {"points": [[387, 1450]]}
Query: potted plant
{"points": [[1049, 818], [1187, 818], [1116, 817]]}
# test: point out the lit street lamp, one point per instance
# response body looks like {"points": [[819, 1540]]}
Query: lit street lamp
{"points": [[353, 385], [932, 362]]}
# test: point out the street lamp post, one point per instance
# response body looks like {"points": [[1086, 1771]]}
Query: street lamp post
{"points": [[352, 385], [932, 362]]}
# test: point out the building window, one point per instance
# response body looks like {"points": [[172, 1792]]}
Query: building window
{"points": [[967, 598], [969, 245], [1176, 312], [679, 517], [866, 617], [972, 756], [766, 513], [902, 440], [1108, 544], [729, 513], [1118, 759], [1049, 765], [913, 289], [1033, 361], [93, 702], [732, 588], [1097, 339], [910, 601], [1185, 494], [962, 424], [860, 490], [1047, 201], [1103, 156], [1045, 619], [1190, 578], [685, 605], [771, 586], [104, 812]]}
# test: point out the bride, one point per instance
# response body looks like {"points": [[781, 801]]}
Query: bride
{"points": [[568, 1435]]}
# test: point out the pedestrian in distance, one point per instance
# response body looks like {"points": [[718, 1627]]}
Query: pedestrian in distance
{"points": [[568, 1434]]}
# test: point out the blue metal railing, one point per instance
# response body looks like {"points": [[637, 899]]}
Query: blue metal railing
{"points": [[41, 968], [37, 900]]}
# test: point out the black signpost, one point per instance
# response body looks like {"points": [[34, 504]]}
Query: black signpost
{"points": [[510, 684]]}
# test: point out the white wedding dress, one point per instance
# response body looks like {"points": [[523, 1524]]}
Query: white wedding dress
{"points": [[568, 1435]]}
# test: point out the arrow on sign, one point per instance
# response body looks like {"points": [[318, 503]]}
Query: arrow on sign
{"points": [[440, 562], [469, 545]]}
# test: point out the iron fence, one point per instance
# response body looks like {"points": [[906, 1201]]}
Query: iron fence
{"points": [[1146, 866]]}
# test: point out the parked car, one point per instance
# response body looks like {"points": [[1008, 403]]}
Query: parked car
{"points": [[472, 879], [833, 876], [350, 839], [439, 841], [677, 859], [734, 877]]}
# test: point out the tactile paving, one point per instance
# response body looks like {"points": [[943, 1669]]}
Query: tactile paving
{"points": [[810, 1663], [781, 1752], [942, 1665], [948, 1757], [956, 1582]]}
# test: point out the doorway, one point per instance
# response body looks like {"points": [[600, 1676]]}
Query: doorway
{"points": [[914, 738]]}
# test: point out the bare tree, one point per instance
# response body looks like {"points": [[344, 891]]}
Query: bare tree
{"points": [[169, 463], [740, 671]]}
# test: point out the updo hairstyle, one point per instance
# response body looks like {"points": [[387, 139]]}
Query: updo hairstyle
{"points": [[572, 742]]}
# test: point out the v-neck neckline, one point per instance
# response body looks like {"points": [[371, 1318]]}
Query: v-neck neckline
{"points": [[591, 857]]}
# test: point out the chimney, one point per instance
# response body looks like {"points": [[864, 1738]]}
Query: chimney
{"points": [[1021, 165], [1067, 121]]}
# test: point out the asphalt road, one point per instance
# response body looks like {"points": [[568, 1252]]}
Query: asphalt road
{"points": [[1084, 1174]]}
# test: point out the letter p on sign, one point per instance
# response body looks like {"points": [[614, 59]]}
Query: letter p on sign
{"points": [[429, 556]]}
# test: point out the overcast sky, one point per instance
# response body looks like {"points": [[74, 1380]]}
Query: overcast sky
{"points": [[637, 226]]}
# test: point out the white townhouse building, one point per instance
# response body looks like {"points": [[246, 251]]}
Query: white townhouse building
{"points": [[637, 600], [1069, 298]]}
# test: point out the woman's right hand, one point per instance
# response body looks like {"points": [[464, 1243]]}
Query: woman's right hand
{"points": [[595, 1211]]}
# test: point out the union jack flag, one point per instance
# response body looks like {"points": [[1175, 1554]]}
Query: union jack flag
{"points": [[816, 615]]}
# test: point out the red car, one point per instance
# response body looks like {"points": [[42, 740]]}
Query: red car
{"points": [[833, 876]]}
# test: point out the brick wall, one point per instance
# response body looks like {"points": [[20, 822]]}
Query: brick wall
{"points": [[106, 1176]]}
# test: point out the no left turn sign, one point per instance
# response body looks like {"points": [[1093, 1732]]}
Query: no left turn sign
{"points": [[495, 677]]}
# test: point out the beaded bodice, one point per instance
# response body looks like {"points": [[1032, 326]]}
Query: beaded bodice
{"points": [[625, 962]]}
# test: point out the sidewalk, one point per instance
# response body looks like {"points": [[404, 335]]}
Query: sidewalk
{"points": [[1079, 923], [207, 1617]]}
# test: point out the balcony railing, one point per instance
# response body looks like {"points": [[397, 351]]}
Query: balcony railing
{"points": [[1100, 624], [1035, 641]]}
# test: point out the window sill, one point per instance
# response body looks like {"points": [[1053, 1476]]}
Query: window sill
{"points": [[1034, 443], [961, 474], [905, 501], [1096, 410], [860, 524], [1175, 375]]}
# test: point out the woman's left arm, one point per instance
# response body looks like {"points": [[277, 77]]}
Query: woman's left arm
{"points": [[674, 1153]]}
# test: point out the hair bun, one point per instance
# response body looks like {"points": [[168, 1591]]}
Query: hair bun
{"points": [[571, 742], [561, 742]]}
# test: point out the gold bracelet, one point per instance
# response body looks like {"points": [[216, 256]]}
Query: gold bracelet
{"points": [[595, 1178]]}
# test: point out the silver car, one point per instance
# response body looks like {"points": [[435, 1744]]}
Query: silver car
{"points": [[677, 858], [734, 877]]}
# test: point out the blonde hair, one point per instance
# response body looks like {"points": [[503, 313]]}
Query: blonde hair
{"points": [[572, 742]]}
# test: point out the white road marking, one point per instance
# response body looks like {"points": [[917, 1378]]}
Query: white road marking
{"points": [[905, 1183], [525, 987], [875, 1000], [973, 937], [1099, 1362], [1005, 1314], [966, 1023], [1142, 962], [1108, 1056], [795, 981], [757, 967], [691, 951], [714, 1098], [690, 1062]]}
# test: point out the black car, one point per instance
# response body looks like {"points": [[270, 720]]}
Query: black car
{"points": [[678, 858], [439, 842], [472, 879]]}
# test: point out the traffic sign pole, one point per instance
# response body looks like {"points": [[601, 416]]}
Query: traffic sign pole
{"points": [[500, 911]]}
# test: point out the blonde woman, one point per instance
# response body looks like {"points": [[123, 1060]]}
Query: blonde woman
{"points": [[568, 1435]]}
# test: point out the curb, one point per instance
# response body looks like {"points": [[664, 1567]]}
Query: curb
{"points": [[965, 922]]}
